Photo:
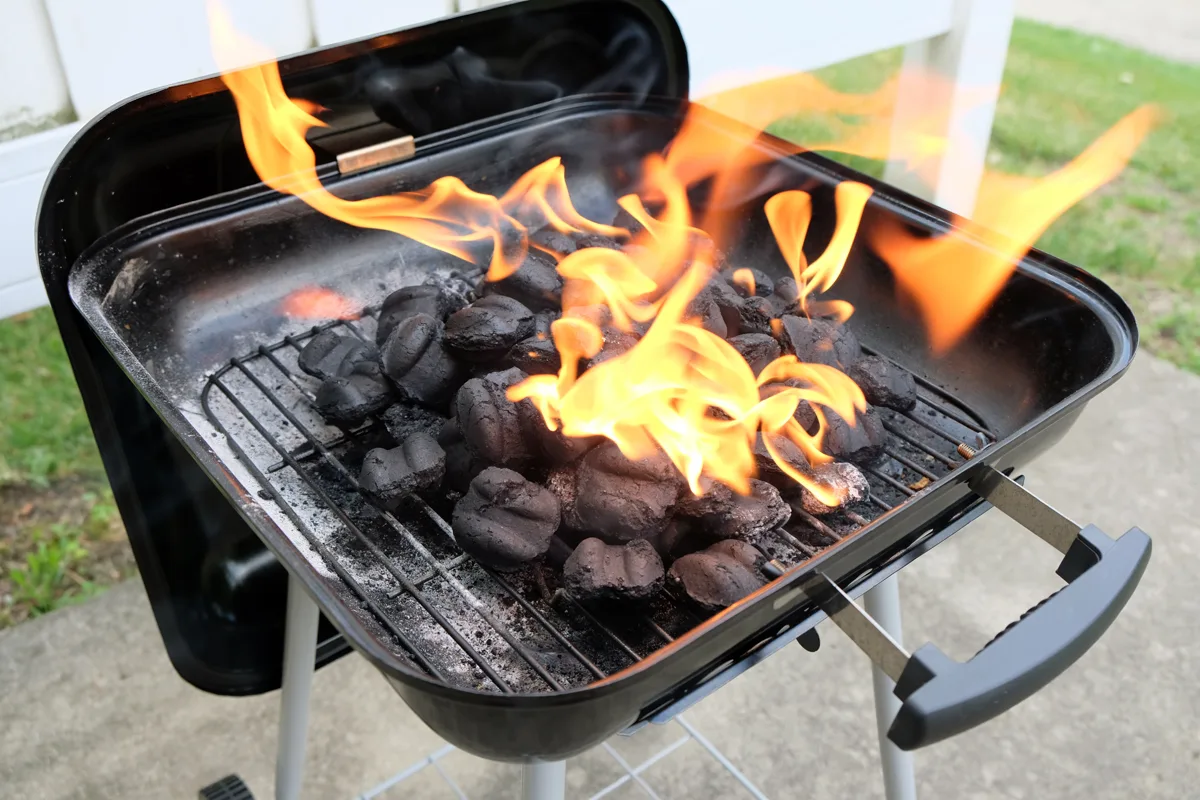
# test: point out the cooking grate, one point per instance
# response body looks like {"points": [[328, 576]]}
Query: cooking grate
{"points": [[457, 620]]}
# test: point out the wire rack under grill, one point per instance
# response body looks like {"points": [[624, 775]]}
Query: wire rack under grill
{"points": [[454, 618]]}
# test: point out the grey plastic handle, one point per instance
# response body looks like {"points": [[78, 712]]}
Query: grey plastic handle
{"points": [[942, 697]]}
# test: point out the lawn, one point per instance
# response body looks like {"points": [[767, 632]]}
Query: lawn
{"points": [[60, 538]]}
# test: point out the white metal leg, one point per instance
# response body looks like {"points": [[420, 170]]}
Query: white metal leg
{"points": [[299, 662], [899, 777], [544, 780]]}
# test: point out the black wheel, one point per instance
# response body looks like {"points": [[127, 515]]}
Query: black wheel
{"points": [[228, 788]]}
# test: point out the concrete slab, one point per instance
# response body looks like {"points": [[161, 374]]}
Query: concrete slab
{"points": [[1168, 28], [91, 708]]}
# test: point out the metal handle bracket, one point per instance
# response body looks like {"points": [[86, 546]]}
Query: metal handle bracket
{"points": [[1024, 507]]}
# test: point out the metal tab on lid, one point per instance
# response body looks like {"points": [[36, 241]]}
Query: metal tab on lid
{"points": [[376, 155]]}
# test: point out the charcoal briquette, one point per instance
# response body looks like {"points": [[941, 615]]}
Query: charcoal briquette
{"points": [[598, 315], [348, 400], [728, 302], [629, 222], [555, 241], [538, 350], [720, 575], [704, 308], [552, 448], [804, 413], [884, 383], [788, 451], [754, 315], [505, 521], [408, 301], [841, 476], [536, 356], [618, 499], [721, 513], [389, 475], [461, 464], [785, 299], [404, 419], [586, 240], [490, 423], [458, 288], [761, 281], [536, 284], [486, 329], [758, 349], [818, 341], [861, 443], [616, 342], [332, 355], [597, 572], [417, 361]]}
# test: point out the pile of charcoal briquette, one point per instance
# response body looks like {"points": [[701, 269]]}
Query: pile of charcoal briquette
{"points": [[448, 349]]}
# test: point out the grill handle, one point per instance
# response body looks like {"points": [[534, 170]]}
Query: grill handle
{"points": [[942, 697]]}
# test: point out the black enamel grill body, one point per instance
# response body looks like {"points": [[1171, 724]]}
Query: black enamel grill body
{"points": [[166, 265]]}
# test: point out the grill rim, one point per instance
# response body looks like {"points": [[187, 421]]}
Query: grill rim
{"points": [[1100, 299]]}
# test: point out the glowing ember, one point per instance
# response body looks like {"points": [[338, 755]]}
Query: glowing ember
{"points": [[314, 302]]}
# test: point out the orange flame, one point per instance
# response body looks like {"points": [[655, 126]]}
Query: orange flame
{"points": [[952, 278], [682, 389], [315, 302], [446, 215], [789, 214]]}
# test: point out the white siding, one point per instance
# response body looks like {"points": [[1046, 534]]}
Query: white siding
{"points": [[32, 85], [342, 20], [112, 49]]}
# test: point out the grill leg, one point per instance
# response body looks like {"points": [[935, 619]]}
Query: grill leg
{"points": [[544, 781], [899, 779], [299, 663]]}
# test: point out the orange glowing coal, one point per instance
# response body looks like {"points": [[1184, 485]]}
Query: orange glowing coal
{"points": [[318, 303]]}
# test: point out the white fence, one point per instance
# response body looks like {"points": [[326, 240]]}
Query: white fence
{"points": [[66, 60]]}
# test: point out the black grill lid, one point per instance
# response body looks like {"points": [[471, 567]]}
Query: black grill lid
{"points": [[217, 595]]}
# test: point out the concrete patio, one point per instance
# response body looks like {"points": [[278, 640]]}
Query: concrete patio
{"points": [[92, 709]]}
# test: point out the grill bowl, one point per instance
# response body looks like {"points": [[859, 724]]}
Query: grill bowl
{"points": [[175, 296]]}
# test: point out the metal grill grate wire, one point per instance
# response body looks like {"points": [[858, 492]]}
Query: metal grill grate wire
{"points": [[950, 424]]}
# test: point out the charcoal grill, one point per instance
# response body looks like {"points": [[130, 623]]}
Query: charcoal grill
{"points": [[166, 263]]}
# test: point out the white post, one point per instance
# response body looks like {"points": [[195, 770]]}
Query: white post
{"points": [[544, 780], [899, 775], [970, 59], [299, 663]]}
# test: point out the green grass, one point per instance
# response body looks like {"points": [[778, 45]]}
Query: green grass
{"points": [[72, 548], [44, 433], [1060, 91]]}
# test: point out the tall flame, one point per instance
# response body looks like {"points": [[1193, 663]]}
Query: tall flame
{"points": [[951, 278], [445, 215], [682, 389]]}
